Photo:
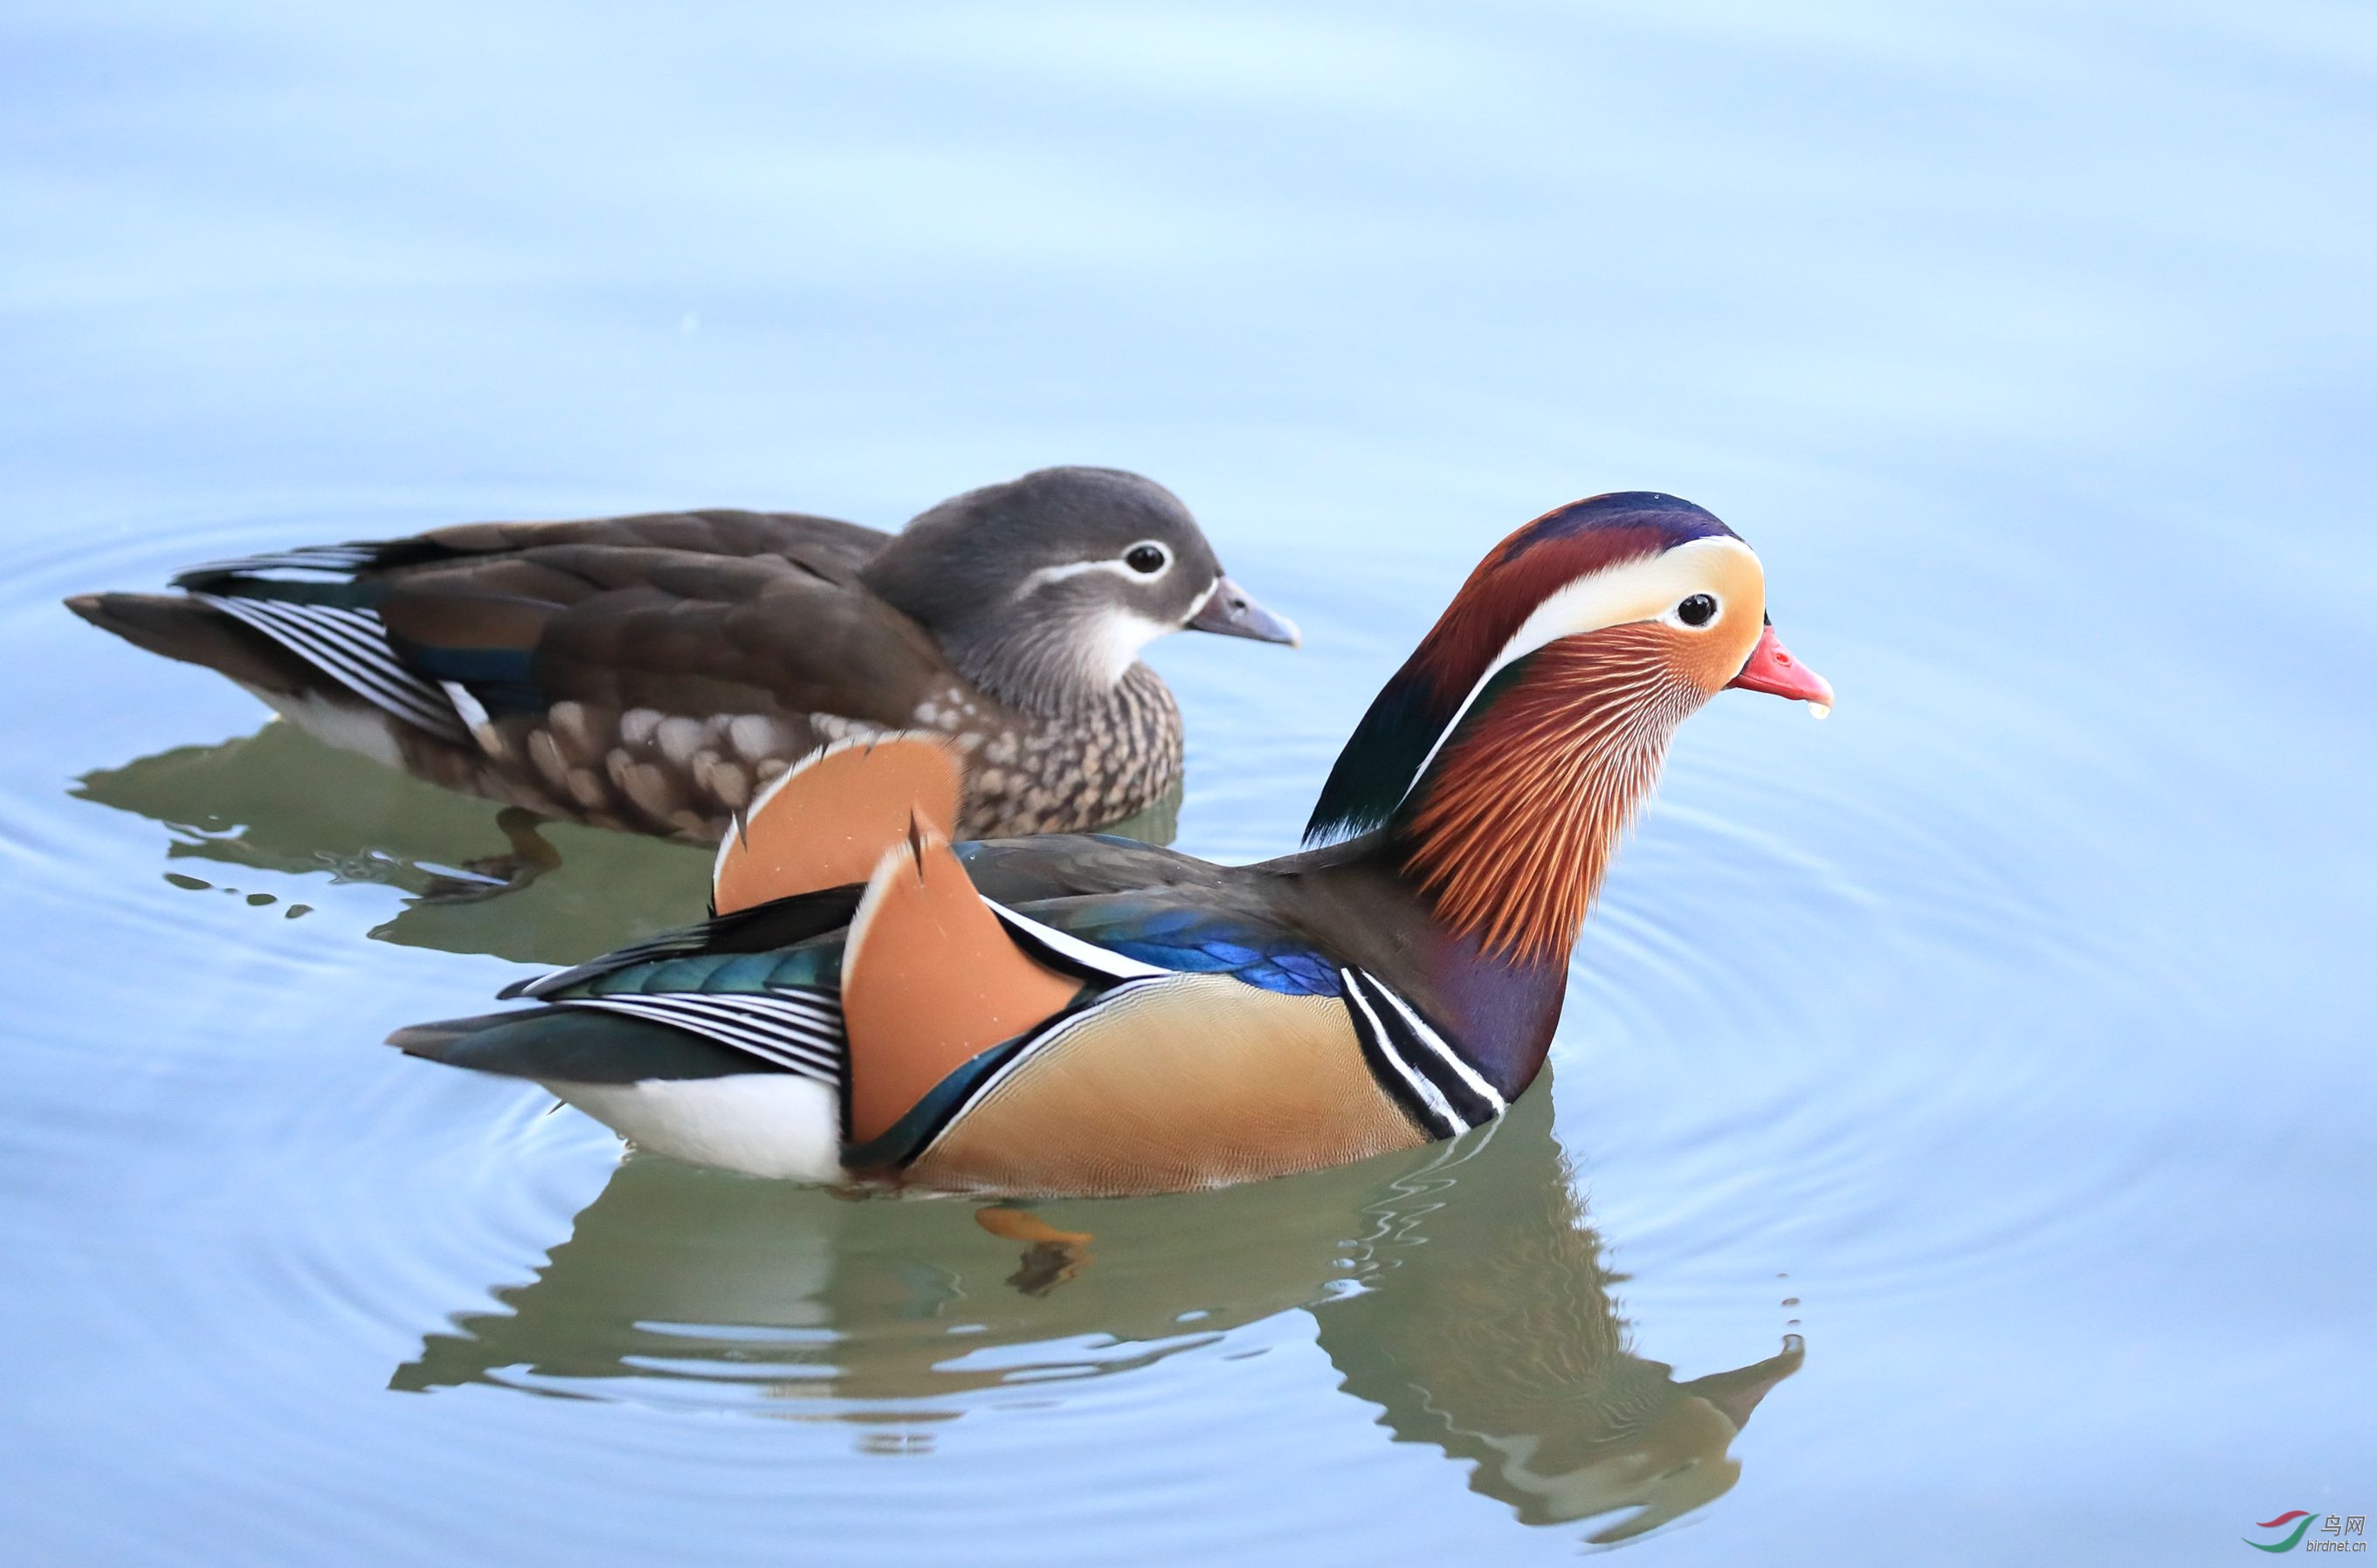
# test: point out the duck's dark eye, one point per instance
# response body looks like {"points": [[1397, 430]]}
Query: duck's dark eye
{"points": [[1146, 558], [1696, 610]]}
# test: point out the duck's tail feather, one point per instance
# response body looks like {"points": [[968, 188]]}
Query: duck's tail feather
{"points": [[177, 626], [281, 644], [573, 1045], [827, 822], [659, 1087]]}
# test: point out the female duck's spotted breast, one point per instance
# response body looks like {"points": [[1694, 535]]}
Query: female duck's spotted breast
{"points": [[639, 769], [1095, 767], [677, 775]]}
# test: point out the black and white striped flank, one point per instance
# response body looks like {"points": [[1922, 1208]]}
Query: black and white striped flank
{"points": [[1415, 1063]]}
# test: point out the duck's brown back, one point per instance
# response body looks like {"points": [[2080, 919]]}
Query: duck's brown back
{"points": [[681, 661]]}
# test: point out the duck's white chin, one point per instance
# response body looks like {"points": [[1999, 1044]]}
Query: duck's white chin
{"points": [[774, 1124]]}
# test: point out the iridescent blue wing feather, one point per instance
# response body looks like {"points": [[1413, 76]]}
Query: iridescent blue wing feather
{"points": [[1163, 929]]}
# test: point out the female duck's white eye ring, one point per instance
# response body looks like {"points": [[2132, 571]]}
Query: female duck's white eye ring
{"points": [[1147, 558], [1697, 611]]}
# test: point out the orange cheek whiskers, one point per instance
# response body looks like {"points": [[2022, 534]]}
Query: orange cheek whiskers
{"points": [[1512, 831]]}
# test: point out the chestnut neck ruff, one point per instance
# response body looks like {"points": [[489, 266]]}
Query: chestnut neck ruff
{"points": [[1510, 830]]}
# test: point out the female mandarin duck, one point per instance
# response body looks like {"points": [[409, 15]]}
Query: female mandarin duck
{"points": [[1092, 1016], [654, 673]]}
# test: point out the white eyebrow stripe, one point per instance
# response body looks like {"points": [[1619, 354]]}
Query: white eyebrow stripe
{"points": [[1612, 597], [1112, 565], [1069, 569]]}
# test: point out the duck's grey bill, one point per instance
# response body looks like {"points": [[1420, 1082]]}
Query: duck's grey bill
{"points": [[1232, 611]]}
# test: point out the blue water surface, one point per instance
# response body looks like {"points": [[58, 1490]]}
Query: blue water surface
{"points": [[2005, 1041]]}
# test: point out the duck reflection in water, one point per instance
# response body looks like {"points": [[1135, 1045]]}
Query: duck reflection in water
{"points": [[279, 801], [1457, 1288]]}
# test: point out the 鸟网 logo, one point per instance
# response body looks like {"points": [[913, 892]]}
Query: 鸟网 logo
{"points": [[2335, 1532]]}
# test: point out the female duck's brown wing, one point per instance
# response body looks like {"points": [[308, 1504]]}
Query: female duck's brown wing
{"points": [[659, 689], [826, 542], [676, 632], [686, 612], [647, 672]]}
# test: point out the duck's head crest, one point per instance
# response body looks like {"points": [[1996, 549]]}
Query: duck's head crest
{"points": [[1044, 588], [1631, 556]]}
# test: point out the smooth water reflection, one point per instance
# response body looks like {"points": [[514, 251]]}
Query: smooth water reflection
{"points": [[476, 874], [2020, 1015], [1460, 1289]]}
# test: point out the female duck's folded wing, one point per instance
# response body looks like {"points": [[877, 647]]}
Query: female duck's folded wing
{"points": [[684, 613], [678, 635], [826, 544]]}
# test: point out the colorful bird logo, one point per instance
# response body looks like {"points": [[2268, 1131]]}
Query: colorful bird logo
{"points": [[2293, 1535]]}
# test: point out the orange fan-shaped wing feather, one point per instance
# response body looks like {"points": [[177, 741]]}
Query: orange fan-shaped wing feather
{"points": [[829, 820], [929, 980]]}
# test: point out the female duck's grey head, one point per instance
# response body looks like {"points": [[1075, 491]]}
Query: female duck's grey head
{"points": [[1044, 589]]}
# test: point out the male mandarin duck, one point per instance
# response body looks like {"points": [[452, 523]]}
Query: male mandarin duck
{"points": [[1090, 1016], [654, 673]]}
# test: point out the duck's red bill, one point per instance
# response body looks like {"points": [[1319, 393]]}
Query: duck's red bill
{"points": [[1772, 669]]}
